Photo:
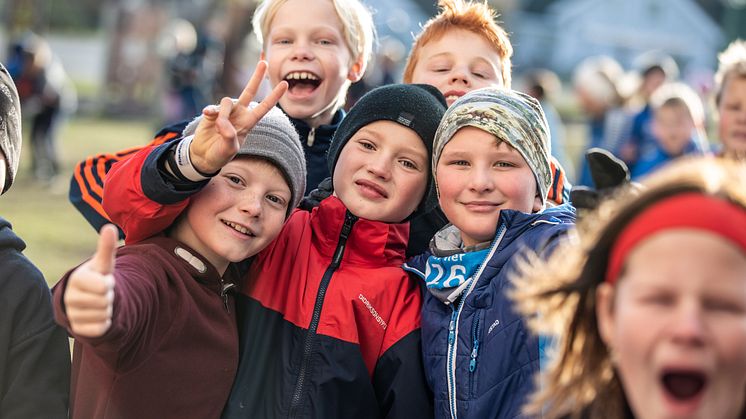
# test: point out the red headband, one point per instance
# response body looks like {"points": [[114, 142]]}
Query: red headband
{"points": [[691, 210]]}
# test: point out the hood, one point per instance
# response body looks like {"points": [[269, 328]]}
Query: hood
{"points": [[448, 239], [8, 238]]}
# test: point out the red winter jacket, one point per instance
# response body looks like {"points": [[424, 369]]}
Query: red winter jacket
{"points": [[328, 320]]}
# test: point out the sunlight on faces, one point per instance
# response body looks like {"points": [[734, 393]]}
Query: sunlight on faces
{"points": [[306, 46], [677, 323], [673, 128], [238, 213], [382, 172], [458, 62], [477, 176], [732, 111]]}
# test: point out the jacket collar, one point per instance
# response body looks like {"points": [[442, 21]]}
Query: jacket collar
{"points": [[371, 243], [322, 131], [448, 239]]}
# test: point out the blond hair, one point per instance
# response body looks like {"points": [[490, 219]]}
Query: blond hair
{"points": [[474, 17], [356, 19], [558, 294], [732, 61]]}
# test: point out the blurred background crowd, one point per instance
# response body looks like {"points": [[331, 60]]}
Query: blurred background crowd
{"points": [[98, 76]]}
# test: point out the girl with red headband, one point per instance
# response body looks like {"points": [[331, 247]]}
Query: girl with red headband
{"points": [[648, 301]]}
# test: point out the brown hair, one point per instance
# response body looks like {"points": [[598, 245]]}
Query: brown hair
{"points": [[559, 294], [474, 17]]}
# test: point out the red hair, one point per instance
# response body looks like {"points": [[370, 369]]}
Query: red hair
{"points": [[477, 18]]}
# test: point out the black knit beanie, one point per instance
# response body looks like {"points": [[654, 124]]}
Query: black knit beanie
{"points": [[419, 107]]}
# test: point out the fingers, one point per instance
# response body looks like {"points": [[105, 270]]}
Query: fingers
{"points": [[223, 123], [253, 85], [89, 295], [249, 119], [103, 260], [89, 301]]}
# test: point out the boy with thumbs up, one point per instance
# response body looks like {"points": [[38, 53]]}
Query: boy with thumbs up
{"points": [[154, 323]]}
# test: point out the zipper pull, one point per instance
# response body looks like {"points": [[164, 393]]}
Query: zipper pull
{"points": [[474, 353], [225, 289], [452, 328], [311, 137]]}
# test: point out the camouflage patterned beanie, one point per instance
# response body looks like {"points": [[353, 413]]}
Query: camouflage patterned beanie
{"points": [[511, 116]]}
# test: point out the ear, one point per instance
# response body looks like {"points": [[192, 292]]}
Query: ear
{"points": [[537, 204], [605, 313], [356, 71]]}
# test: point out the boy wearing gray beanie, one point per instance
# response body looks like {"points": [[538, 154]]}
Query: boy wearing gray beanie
{"points": [[492, 172], [330, 321], [168, 328]]}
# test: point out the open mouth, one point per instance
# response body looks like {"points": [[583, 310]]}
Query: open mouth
{"points": [[301, 83], [684, 385], [239, 228]]}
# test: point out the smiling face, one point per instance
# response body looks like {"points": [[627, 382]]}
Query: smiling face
{"points": [[306, 46], [477, 176], [382, 171], [458, 62], [677, 324], [732, 110], [237, 214]]}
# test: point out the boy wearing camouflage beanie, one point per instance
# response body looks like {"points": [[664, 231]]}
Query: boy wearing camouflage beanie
{"points": [[492, 172], [171, 300]]}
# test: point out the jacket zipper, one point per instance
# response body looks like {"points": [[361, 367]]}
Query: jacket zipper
{"points": [[453, 325], [474, 353], [310, 338], [311, 137]]}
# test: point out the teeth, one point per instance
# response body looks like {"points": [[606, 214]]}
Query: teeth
{"points": [[301, 75], [238, 228], [451, 97]]}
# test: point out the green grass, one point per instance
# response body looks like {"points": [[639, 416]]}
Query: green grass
{"points": [[57, 236]]}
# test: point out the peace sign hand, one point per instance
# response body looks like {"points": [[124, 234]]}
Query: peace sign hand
{"points": [[222, 128]]}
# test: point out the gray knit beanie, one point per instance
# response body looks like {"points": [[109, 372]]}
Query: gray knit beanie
{"points": [[511, 116], [10, 126], [274, 139]]}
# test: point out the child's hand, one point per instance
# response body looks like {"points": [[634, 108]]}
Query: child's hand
{"points": [[223, 127], [89, 297]]}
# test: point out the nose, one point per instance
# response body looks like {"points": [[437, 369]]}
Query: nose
{"points": [[302, 51], [379, 166], [688, 326], [251, 205], [480, 180], [460, 76]]}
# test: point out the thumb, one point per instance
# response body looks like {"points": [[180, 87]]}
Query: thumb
{"points": [[103, 260]]}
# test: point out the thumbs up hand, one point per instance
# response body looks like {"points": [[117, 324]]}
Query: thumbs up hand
{"points": [[89, 296]]}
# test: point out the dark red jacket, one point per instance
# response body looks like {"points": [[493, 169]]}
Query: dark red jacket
{"points": [[171, 351], [328, 320]]}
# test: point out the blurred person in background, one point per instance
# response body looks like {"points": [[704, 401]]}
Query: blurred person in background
{"points": [[47, 96], [192, 64], [677, 127], [654, 69], [544, 85], [34, 351], [597, 82], [730, 98]]}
